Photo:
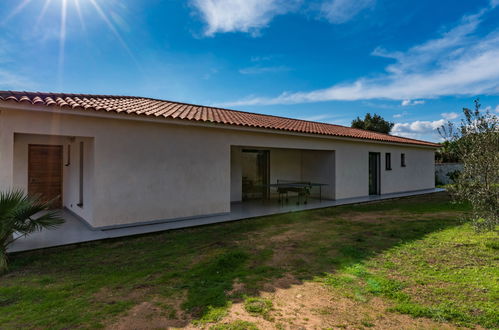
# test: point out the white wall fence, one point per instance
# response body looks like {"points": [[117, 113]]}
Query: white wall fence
{"points": [[442, 172]]}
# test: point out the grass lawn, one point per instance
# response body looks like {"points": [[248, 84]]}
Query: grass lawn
{"points": [[398, 263]]}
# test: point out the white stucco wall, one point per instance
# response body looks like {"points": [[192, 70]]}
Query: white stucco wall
{"points": [[351, 161], [71, 177], [319, 167], [6, 152], [145, 171], [236, 184], [285, 164]]}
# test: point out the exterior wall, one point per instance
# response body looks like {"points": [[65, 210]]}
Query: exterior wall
{"points": [[318, 166], [285, 164], [443, 170], [236, 184], [142, 171], [146, 171], [351, 161], [71, 177], [416, 175], [6, 152]]}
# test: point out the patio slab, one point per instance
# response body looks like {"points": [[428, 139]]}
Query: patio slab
{"points": [[75, 231]]}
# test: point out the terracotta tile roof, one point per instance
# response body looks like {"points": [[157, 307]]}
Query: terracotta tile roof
{"points": [[174, 110]]}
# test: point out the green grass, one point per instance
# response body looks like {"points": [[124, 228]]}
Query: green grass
{"points": [[236, 325], [258, 306], [450, 275], [417, 254]]}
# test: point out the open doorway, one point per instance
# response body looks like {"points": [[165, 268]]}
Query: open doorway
{"points": [[255, 174], [374, 173]]}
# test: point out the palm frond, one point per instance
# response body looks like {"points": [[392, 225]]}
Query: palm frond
{"points": [[24, 214]]}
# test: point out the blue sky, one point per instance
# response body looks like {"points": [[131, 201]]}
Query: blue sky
{"points": [[416, 63]]}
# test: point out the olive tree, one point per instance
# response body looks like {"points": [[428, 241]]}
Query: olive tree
{"points": [[476, 141]]}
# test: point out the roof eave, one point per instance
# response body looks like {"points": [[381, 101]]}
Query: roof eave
{"points": [[137, 117]]}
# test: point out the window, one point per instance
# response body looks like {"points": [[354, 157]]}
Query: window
{"points": [[402, 160], [388, 161], [80, 199]]}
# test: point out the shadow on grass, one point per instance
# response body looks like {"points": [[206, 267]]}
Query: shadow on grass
{"points": [[200, 265]]}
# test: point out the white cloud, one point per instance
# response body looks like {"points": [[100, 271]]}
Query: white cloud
{"points": [[330, 118], [264, 69], [406, 103], [450, 115], [418, 128], [497, 108], [400, 115], [422, 129], [263, 58], [321, 117], [240, 15], [456, 63], [250, 16], [341, 11], [11, 80]]}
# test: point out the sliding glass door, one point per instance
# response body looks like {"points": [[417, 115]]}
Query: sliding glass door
{"points": [[255, 174]]}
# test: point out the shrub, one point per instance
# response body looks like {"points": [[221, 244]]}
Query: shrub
{"points": [[477, 145]]}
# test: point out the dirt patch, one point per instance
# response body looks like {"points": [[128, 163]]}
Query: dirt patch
{"points": [[286, 246], [110, 296], [237, 288], [378, 217], [155, 314], [313, 306], [375, 217], [284, 282], [309, 305], [289, 235]]}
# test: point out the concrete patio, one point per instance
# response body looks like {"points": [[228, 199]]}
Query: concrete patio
{"points": [[75, 230]]}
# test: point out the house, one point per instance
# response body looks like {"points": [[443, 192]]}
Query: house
{"points": [[121, 161]]}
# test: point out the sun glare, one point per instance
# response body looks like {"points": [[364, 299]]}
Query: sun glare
{"points": [[62, 39], [45, 8]]}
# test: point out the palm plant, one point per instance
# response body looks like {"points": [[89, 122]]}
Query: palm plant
{"points": [[23, 214]]}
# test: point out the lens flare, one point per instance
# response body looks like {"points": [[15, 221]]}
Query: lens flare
{"points": [[80, 15], [42, 12], [16, 10], [62, 41], [63, 26], [111, 27]]}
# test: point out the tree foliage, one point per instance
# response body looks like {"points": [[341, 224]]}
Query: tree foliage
{"points": [[22, 214], [476, 142], [447, 153], [374, 123]]}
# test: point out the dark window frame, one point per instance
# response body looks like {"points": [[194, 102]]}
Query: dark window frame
{"points": [[402, 160], [388, 161], [80, 193]]}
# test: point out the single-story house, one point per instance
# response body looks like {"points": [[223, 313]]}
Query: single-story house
{"points": [[121, 160]]}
